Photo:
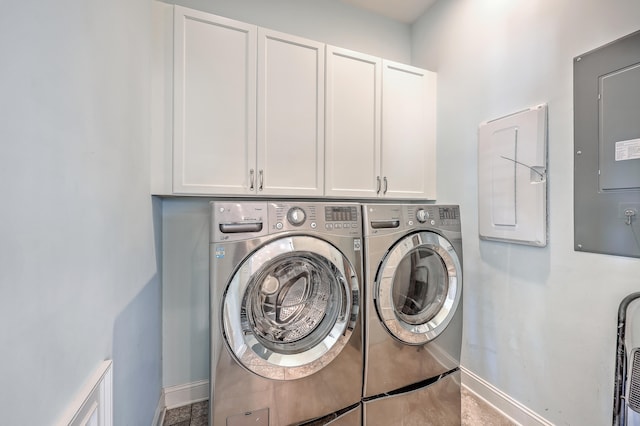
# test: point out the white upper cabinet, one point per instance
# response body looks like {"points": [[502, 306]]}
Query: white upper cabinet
{"points": [[290, 115], [214, 123], [240, 110], [408, 132], [380, 134], [352, 166], [248, 111]]}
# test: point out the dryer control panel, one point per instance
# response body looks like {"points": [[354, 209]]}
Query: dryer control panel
{"points": [[433, 215], [383, 218]]}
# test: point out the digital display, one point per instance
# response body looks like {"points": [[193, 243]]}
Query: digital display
{"points": [[449, 213], [340, 214]]}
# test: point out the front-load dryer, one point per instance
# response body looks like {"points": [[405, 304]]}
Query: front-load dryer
{"points": [[286, 340], [413, 326]]}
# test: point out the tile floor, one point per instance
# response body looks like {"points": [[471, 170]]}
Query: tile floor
{"points": [[475, 412], [196, 414]]}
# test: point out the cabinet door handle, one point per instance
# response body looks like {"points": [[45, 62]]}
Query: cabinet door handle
{"points": [[261, 185], [386, 185], [251, 178], [378, 184]]}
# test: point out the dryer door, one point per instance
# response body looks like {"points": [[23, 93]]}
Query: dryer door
{"points": [[418, 287], [290, 307]]}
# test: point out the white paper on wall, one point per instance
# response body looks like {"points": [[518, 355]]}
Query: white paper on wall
{"points": [[512, 178]]}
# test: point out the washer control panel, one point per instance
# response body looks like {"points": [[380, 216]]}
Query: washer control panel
{"points": [[233, 221], [334, 218]]}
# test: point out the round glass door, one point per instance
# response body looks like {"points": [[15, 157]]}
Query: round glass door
{"points": [[418, 287], [290, 307]]}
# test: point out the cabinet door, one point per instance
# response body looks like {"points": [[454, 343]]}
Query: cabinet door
{"points": [[290, 115], [214, 138], [352, 162], [408, 131]]}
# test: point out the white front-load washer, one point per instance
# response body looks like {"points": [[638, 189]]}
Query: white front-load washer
{"points": [[413, 325], [286, 341]]}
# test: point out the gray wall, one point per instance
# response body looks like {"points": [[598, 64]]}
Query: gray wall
{"points": [[185, 221], [540, 323], [79, 233], [185, 290]]}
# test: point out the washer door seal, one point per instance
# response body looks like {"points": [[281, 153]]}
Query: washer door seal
{"points": [[290, 307], [418, 287]]}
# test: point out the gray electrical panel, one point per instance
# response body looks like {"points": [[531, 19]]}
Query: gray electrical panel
{"points": [[606, 100]]}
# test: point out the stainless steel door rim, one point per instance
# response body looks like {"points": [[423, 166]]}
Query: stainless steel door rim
{"points": [[290, 307], [425, 322]]}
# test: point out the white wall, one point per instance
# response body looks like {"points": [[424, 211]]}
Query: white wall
{"points": [[78, 230], [540, 323], [186, 221]]}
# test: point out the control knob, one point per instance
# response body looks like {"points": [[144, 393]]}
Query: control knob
{"points": [[296, 216], [422, 215]]}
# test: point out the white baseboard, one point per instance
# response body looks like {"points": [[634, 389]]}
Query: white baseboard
{"points": [[179, 395], [158, 417], [502, 402]]}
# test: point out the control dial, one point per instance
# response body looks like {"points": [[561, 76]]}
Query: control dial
{"points": [[296, 216], [422, 215]]}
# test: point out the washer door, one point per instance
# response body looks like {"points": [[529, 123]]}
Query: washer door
{"points": [[418, 287], [290, 307]]}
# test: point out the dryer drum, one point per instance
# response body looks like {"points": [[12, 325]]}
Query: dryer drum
{"points": [[421, 286]]}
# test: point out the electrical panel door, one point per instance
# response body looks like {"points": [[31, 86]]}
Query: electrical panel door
{"points": [[607, 148]]}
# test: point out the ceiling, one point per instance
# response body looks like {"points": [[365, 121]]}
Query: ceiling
{"points": [[406, 11]]}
